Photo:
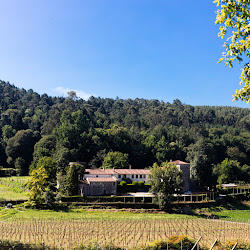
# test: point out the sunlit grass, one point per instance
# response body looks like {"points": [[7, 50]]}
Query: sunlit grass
{"points": [[13, 188], [239, 211], [235, 215]]}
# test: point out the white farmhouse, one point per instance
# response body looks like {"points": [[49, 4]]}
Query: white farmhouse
{"points": [[120, 174], [104, 181]]}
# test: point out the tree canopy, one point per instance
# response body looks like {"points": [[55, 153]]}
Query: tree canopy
{"points": [[75, 173], [33, 126], [231, 171], [233, 16], [165, 180], [50, 166], [22, 145], [115, 160]]}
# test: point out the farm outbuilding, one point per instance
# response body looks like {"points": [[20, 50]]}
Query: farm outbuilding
{"points": [[98, 186]]}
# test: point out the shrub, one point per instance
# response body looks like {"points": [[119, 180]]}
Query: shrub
{"points": [[173, 242], [141, 184], [96, 246], [75, 198], [7, 244], [123, 183], [127, 188], [49, 198], [58, 197], [146, 187], [9, 205]]}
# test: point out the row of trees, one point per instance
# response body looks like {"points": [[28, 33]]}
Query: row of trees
{"points": [[118, 133]]}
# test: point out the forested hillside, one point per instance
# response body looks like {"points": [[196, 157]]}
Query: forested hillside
{"points": [[143, 131]]}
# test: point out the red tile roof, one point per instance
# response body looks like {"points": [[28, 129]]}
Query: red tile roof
{"points": [[104, 179], [133, 171], [99, 171], [177, 162], [117, 171]]}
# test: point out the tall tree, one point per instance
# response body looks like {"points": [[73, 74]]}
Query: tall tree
{"points": [[200, 155], [44, 147], [22, 145], [115, 160], [50, 166], [165, 180], [7, 133], [97, 160], [233, 16], [72, 133], [227, 171], [37, 186], [74, 174]]}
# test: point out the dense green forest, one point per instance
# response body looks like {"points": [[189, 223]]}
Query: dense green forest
{"points": [[142, 131]]}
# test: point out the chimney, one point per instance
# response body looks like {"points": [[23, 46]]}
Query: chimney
{"points": [[129, 166], [170, 160]]}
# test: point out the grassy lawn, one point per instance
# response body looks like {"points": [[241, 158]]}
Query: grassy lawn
{"points": [[115, 214], [234, 211], [235, 215], [13, 188]]}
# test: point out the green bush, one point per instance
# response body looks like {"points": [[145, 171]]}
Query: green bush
{"points": [[96, 246], [173, 242], [7, 244], [9, 205], [128, 188], [134, 187], [123, 183], [141, 184], [49, 198], [146, 187], [75, 198], [58, 197]]}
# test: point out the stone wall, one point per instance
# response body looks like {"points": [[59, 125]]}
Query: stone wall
{"points": [[98, 188]]}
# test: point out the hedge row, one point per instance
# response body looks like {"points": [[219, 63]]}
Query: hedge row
{"points": [[110, 199], [123, 188]]}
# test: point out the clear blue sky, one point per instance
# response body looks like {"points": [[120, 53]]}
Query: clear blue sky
{"points": [[149, 49]]}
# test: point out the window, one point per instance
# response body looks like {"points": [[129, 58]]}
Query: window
{"points": [[124, 176], [140, 176], [96, 176], [132, 176], [119, 176], [136, 176], [144, 176]]}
